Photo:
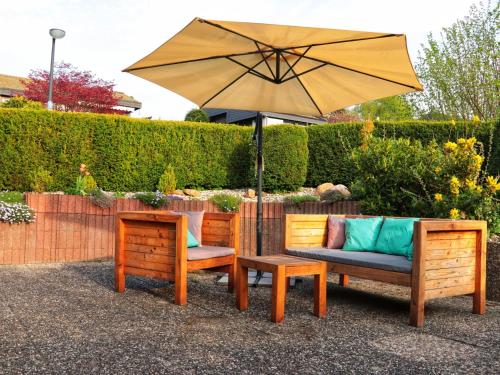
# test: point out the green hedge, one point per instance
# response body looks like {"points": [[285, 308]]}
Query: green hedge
{"points": [[330, 145], [285, 158], [126, 154]]}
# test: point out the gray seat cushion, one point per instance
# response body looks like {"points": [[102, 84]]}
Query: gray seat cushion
{"points": [[207, 252], [386, 262]]}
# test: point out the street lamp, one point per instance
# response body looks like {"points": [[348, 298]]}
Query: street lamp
{"points": [[55, 34]]}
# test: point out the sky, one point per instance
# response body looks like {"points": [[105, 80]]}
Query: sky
{"points": [[106, 36]]}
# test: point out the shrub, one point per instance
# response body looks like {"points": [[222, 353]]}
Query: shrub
{"points": [[197, 115], [14, 213], [227, 202], [167, 181], [403, 178], [11, 197], [41, 180], [154, 199], [332, 196], [101, 198], [21, 102], [84, 183], [285, 158], [297, 200]]}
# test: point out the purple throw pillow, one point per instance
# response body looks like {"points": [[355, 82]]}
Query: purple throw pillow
{"points": [[336, 232], [195, 223]]}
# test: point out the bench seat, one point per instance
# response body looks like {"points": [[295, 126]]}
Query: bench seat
{"points": [[207, 252], [395, 263]]}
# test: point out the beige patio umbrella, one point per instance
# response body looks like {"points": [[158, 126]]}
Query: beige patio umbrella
{"points": [[276, 68]]}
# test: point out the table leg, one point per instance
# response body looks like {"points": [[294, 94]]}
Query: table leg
{"points": [[320, 292], [242, 287], [278, 297]]}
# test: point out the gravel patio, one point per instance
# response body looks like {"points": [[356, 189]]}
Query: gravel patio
{"points": [[66, 318]]}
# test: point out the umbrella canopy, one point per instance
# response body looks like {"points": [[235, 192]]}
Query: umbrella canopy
{"points": [[276, 68]]}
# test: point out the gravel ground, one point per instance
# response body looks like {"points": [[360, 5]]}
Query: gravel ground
{"points": [[67, 319]]}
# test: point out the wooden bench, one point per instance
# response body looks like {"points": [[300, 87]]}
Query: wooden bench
{"points": [[154, 244], [449, 259]]}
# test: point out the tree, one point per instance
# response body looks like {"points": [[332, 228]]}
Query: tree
{"points": [[73, 90], [342, 115], [393, 108], [21, 102], [461, 71], [197, 115]]}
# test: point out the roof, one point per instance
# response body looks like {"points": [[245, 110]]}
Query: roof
{"points": [[13, 85], [236, 115]]}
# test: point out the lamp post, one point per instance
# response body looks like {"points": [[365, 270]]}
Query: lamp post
{"points": [[55, 34]]}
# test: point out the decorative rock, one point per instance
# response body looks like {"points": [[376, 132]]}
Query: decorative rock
{"points": [[338, 192], [192, 192], [250, 193], [342, 189], [178, 192], [324, 187]]}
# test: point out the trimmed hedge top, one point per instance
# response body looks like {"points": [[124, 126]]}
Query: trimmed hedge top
{"points": [[128, 154]]}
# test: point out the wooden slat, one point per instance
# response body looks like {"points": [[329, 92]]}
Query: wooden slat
{"points": [[150, 273], [449, 263], [216, 223], [158, 250], [151, 232], [149, 265], [449, 292], [217, 231], [449, 253], [447, 235], [449, 272], [398, 278], [320, 240], [311, 232], [145, 257], [309, 224], [164, 242], [462, 243], [446, 283]]}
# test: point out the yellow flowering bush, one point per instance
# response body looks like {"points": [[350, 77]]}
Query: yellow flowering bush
{"points": [[399, 177]]}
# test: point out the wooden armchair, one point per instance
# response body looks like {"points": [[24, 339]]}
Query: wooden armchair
{"points": [[154, 245]]}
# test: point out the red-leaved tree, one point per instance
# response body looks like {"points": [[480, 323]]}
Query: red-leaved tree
{"points": [[73, 90]]}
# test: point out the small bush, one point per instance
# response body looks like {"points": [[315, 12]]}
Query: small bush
{"points": [[41, 180], [15, 213], [119, 194], [197, 115], [154, 199], [332, 196], [84, 183], [21, 102], [167, 183], [296, 200], [227, 202], [11, 197], [101, 198]]}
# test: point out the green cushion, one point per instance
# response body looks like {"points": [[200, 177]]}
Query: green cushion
{"points": [[361, 234], [192, 241], [396, 237]]}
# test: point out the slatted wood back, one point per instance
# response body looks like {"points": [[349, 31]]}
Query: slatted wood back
{"points": [[221, 229], [306, 230]]}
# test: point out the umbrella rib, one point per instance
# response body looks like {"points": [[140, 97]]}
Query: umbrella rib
{"points": [[357, 71], [195, 60], [265, 60], [307, 91], [295, 75], [344, 41], [295, 63], [231, 83], [251, 70], [235, 32]]}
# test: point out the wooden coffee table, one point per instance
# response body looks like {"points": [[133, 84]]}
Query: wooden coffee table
{"points": [[282, 268]]}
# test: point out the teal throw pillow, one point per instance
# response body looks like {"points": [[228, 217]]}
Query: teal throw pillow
{"points": [[191, 240], [361, 234], [396, 237]]}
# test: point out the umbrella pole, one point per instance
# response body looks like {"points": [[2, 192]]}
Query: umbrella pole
{"points": [[258, 133]]}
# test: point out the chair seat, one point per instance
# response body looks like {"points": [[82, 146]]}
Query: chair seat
{"points": [[387, 262], [207, 252]]}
